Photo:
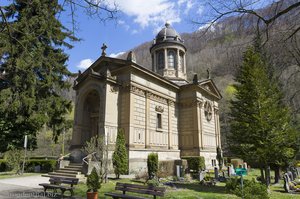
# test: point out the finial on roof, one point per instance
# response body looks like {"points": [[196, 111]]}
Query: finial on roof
{"points": [[208, 74], [195, 79], [131, 57], [104, 47], [167, 24]]}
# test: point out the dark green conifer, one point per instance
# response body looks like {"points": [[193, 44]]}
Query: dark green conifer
{"points": [[261, 129], [31, 53], [120, 157]]}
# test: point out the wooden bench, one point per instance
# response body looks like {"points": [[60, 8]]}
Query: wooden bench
{"points": [[135, 188], [64, 184]]}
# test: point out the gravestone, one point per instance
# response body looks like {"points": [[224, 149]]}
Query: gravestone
{"points": [[232, 170], [216, 171], [201, 175], [290, 174], [229, 171]]}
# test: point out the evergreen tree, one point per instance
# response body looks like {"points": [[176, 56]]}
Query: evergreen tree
{"points": [[32, 63], [120, 158], [261, 129]]}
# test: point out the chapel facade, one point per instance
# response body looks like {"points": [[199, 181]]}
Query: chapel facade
{"points": [[159, 110]]}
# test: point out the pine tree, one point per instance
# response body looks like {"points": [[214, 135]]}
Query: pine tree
{"points": [[120, 158], [261, 129], [32, 57]]}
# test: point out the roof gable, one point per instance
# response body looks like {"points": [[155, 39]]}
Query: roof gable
{"points": [[210, 87]]}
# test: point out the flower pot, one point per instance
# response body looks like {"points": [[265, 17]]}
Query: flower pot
{"points": [[92, 195]]}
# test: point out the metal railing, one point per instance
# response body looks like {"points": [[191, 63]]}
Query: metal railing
{"points": [[89, 155]]}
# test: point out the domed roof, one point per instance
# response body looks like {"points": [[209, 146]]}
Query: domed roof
{"points": [[168, 33]]}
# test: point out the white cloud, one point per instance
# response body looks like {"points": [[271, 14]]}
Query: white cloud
{"points": [[116, 54], [146, 13], [85, 63], [134, 31]]}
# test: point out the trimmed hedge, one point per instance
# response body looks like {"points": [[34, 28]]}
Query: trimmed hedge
{"points": [[195, 163], [45, 165], [152, 164], [3, 165]]}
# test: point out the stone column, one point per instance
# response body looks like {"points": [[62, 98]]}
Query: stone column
{"points": [[178, 66], [154, 62], [217, 126], [166, 58], [147, 117], [169, 126], [200, 105]]}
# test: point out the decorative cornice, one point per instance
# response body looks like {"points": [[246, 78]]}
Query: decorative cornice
{"points": [[137, 90]]}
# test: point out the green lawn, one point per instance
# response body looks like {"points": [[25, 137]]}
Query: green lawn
{"points": [[183, 190], [193, 190]]}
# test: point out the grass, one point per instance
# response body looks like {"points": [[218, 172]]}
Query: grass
{"points": [[4, 175], [183, 190], [192, 190]]}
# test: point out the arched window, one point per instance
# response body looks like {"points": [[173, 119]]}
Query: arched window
{"points": [[171, 59], [160, 60], [181, 61]]}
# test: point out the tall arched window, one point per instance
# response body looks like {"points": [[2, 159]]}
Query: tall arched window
{"points": [[181, 61], [171, 59], [160, 60]]}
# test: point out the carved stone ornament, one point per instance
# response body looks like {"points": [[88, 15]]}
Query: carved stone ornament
{"points": [[114, 89], [159, 109], [208, 110], [137, 90]]}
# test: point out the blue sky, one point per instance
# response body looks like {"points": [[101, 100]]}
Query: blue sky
{"points": [[138, 22]]}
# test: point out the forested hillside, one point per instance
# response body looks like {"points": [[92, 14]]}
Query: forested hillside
{"points": [[220, 49]]}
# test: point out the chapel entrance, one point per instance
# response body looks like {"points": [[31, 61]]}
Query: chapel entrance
{"points": [[91, 115]]}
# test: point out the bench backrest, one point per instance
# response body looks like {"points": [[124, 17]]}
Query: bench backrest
{"points": [[60, 180], [135, 188]]}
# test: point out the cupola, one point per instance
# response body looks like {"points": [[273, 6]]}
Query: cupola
{"points": [[168, 54]]}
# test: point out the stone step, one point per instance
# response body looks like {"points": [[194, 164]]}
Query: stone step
{"points": [[67, 171], [74, 166], [71, 169], [63, 174], [48, 175]]}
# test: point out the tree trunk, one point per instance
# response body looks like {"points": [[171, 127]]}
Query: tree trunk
{"points": [[277, 174], [268, 177], [262, 176]]}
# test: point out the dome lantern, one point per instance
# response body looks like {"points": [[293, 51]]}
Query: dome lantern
{"points": [[168, 54]]}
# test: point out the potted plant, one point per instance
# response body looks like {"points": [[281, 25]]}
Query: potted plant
{"points": [[93, 184]]}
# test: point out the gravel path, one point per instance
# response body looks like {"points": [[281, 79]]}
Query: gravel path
{"points": [[24, 188]]}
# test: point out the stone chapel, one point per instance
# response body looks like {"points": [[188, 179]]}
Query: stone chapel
{"points": [[159, 110]]}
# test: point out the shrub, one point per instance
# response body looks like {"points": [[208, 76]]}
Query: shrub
{"points": [[232, 184], [93, 181], [46, 165], [195, 163], [120, 158], [153, 182], [3, 165], [251, 189], [152, 164], [14, 158]]}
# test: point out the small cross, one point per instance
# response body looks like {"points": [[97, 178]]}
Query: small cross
{"points": [[208, 74], [103, 49]]}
